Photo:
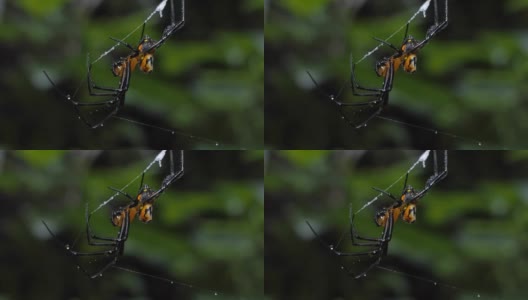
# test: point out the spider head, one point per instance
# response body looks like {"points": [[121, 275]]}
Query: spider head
{"points": [[144, 194], [408, 194], [408, 44]]}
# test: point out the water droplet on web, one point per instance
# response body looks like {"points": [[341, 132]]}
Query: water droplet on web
{"points": [[101, 275], [67, 247], [216, 293], [478, 295], [331, 247], [172, 282], [173, 133], [436, 131], [435, 283], [216, 144], [479, 143]]}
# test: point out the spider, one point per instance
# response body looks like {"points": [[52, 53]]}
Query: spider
{"points": [[404, 207], [140, 206], [142, 55], [406, 55]]}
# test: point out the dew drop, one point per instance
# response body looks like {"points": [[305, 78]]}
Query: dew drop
{"points": [[342, 117], [216, 144], [172, 132], [101, 275], [435, 283], [67, 247], [436, 131], [215, 293], [331, 247], [479, 143], [172, 282], [365, 125], [365, 275], [478, 295]]}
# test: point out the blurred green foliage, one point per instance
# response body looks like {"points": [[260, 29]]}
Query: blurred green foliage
{"points": [[469, 237], [207, 79], [207, 229], [470, 82]]}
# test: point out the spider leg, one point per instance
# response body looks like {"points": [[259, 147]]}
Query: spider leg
{"points": [[384, 42], [123, 193], [354, 235], [117, 93], [169, 179], [434, 179], [386, 194], [383, 99], [127, 44], [171, 28], [72, 253], [355, 85], [66, 96], [118, 96], [380, 251], [434, 29], [333, 98], [339, 253]]}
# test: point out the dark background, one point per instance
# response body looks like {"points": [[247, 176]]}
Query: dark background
{"points": [[207, 78], [470, 79], [207, 228], [470, 230]]}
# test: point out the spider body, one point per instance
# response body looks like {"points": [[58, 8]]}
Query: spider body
{"points": [[404, 207]]}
